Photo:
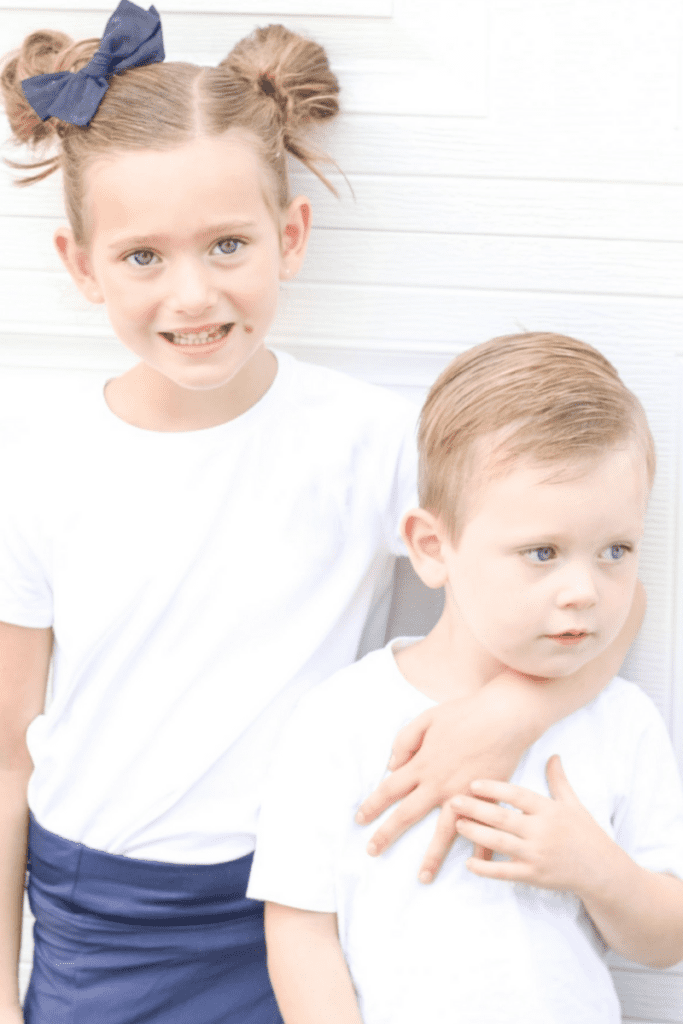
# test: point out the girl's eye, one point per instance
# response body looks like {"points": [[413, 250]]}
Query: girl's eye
{"points": [[615, 552], [540, 555], [141, 258], [228, 246]]}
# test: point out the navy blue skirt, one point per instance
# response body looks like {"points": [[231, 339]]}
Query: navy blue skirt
{"points": [[125, 941]]}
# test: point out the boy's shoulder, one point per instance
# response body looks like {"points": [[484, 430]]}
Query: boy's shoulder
{"points": [[623, 697], [369, 696]]}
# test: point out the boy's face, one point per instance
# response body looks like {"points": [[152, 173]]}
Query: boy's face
{"points": [[543, 575]]}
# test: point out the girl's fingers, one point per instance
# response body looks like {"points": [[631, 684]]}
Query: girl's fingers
{"points": [[394, 787], [409, 740], [410, 810], [441, 842]]}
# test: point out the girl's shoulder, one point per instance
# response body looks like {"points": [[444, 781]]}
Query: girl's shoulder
{"points": [[342, 393]]}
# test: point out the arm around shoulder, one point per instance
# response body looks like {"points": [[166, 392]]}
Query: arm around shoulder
{"points": [[24, 663], [307, 968]]}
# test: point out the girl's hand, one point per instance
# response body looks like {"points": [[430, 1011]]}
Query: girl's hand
{"points": [[554, 843], [437, 756]]}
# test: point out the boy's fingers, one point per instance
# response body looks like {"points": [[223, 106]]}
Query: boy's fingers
{"points": [[558, 783], [411, 810], [394, 787], [506, 793], [505, 870]]}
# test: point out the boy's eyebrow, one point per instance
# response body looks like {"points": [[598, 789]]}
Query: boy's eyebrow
{"points": [[215, 231]]}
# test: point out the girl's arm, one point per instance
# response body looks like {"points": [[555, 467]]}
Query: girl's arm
{"points": [[307, 968], [439, 754], [24, 662]]}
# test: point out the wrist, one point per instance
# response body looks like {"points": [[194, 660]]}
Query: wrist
{"points": [[520, 701], [609, 875]]}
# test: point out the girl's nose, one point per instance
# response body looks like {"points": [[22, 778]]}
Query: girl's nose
{"points": [[577, 587], [191, 290]]}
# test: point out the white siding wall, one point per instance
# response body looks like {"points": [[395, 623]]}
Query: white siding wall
{"points": [[516, 164]]}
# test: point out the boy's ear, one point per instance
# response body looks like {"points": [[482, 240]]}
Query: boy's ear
{"points": [[296, 228], [424, 537], [76, 260]]}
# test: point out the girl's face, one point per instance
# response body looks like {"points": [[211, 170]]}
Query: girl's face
{"points": [[187, 256]]}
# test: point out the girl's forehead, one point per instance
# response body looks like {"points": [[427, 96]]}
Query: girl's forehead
{"points": [[204, 181]]}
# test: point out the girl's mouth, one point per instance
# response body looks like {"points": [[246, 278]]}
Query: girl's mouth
{"points": [[196, 339]]}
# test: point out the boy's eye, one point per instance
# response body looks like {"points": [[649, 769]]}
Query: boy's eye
{"points": [[615, 552], [539, 555], [228, 246], [141, 258]]}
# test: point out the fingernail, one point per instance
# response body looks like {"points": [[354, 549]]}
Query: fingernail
{"points": [[392, 763], [360, 818], [425, 876], [372, 849]]}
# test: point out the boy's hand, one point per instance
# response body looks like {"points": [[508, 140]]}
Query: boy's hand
{"points": [[437, 756], [554, 843]]}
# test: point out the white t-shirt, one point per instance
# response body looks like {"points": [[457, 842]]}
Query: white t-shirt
{"points": [[198, 584], [463, 949]]}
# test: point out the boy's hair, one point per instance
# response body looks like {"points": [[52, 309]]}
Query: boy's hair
{"points": [[271, 86], [543, 397]]}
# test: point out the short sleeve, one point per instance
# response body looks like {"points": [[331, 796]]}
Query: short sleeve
{"points": [[402, 487], [25, 591], [648, 822], [307, 801]]}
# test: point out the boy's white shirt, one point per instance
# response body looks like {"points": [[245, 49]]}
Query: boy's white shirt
{"points": [[199, 583], [464, 948]]}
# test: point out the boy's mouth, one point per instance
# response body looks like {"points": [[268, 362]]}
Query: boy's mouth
{"points": [[570, 636], [199, 336]]}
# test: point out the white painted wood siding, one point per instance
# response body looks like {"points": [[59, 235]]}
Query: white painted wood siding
{"points": [[515, 164]]}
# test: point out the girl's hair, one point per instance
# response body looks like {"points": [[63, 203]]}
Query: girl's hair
{"points": [[542, 397], [271, 86]]}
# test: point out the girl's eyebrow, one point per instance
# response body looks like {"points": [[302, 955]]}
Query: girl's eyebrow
{"points": [[215, 231]]}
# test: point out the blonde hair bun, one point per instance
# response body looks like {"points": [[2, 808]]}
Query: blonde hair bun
{"points": [[42, 53], [289, 70]]}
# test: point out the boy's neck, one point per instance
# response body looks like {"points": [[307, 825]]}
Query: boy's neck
{"points": [[448, 663]]}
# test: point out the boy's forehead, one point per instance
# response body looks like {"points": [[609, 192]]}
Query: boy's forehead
{"points": [[492, 463]]}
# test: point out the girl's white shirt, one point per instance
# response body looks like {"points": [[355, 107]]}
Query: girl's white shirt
{"points": [[198, 584]]}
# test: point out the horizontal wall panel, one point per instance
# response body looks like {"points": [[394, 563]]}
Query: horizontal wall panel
{"points": [[655, 996], [384, 64], [440, 260], [457, 205], [354, 8], [399, 316]]}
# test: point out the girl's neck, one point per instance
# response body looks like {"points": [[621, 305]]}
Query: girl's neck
{"points": [[146, 399]]}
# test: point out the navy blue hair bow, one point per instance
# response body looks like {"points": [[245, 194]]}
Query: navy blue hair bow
{"points": [[131, 37]]}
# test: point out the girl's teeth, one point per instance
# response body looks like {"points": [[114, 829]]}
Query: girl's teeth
{"points": [[197, 339]]}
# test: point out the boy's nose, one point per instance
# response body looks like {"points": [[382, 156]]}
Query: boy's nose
{"points": [[577, 588]]}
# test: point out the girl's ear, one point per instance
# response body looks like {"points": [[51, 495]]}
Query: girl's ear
{"points": [[296, 227], [424, 537], [76, 260]]}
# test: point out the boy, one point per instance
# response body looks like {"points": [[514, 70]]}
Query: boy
{"points": [[535, 469]]}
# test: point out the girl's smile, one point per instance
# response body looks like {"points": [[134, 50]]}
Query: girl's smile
{"points": [[187, 254]]}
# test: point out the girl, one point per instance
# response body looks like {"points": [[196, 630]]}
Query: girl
{"points": [[220, 520]]}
